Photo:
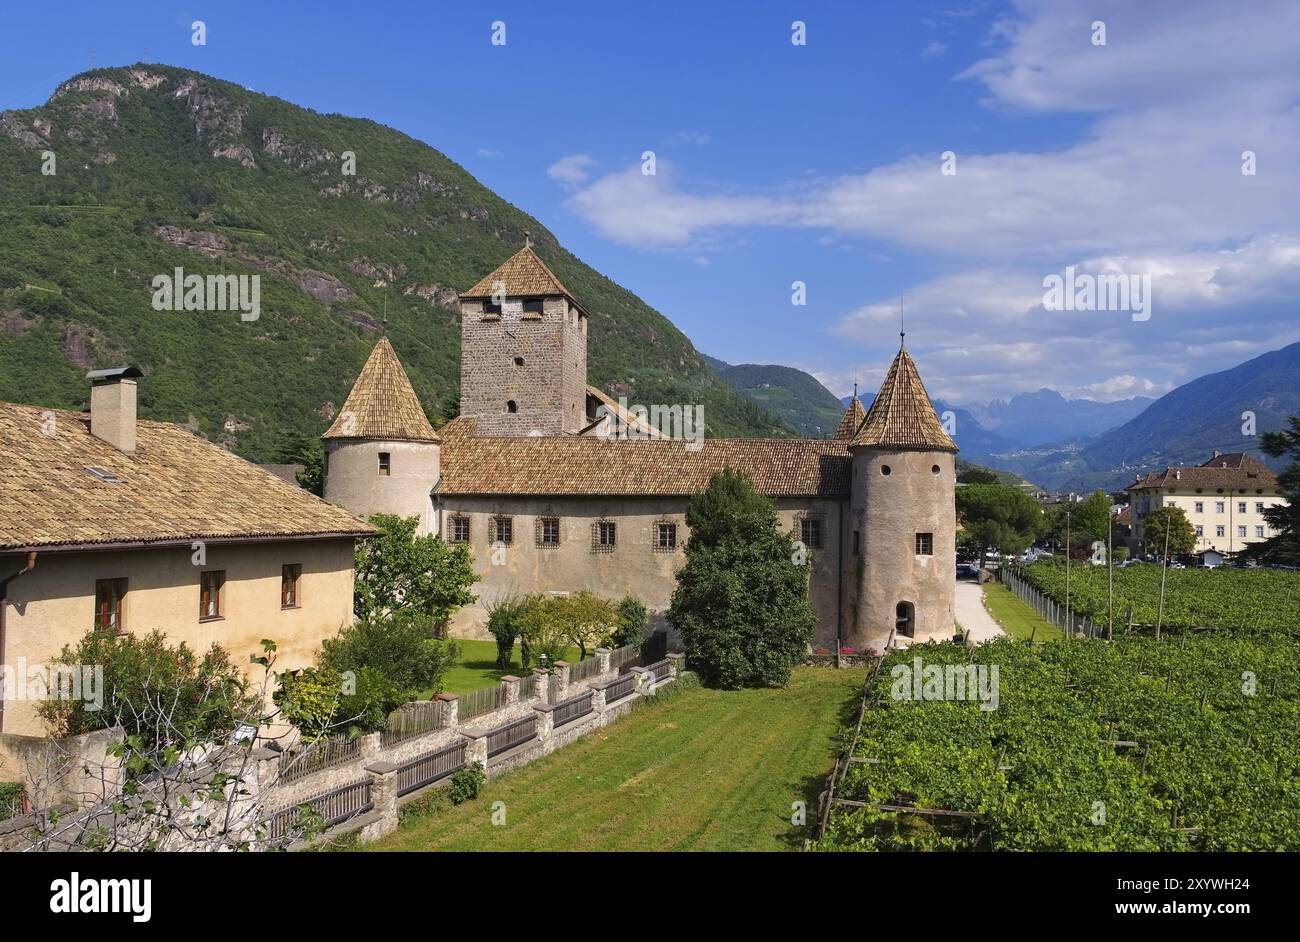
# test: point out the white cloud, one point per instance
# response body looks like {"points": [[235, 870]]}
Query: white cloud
{"points": [[489, 153], [572, 170], [934, 50]]}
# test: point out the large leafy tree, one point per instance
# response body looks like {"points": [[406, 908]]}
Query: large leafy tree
{"points": [[398, 571], [1182, 535], [741, 602], [1285, 518], [997, 517]]}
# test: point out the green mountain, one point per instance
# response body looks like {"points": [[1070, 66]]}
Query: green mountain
{"points": [[790, 394], [126, 174]]}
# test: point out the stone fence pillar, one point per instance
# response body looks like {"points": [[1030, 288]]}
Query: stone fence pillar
{"points": [[476, 746], [545, 725], [603, 655], [383, 794], [645, 681], [597, 698], [450, 709], [676, 663], [511, 683], [371, 745], [542, 679], [561, 675]]}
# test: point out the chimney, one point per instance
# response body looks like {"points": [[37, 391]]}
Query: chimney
{"points": [[112, 406], [1217, 452]]}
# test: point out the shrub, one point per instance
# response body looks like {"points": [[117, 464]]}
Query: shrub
{"points": [[633, 620], [503, 623], [160, 694], [11, 799], [467, 783], [402, 648]]}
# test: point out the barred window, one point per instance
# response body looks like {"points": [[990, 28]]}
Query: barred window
{"points": [[548, 531], [810, 531], [603, 536], [665, 537], [458, 529], [501, 530], [925, 544]]}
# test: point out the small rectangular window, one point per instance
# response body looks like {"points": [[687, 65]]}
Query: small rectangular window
{"points": [[1218, 531], [533, 307], [491, 309], [110, 594], [1259, 532], [1200, 506], [210, 591], [1219, 506], [1241, 506], [501, 530], [925, 544], [810, 531], [1259, 507], [1200, 530], [385, 464], [603, 536], [548, 531], [1241, 531], [665, 537], [459, 529], [289, 579]]}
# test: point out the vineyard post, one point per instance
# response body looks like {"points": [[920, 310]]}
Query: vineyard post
{"points": [[1164, 568], [1069, 616], [1110, 575]]}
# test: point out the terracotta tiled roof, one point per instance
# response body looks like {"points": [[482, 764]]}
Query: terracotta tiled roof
{"points": [[1230, 472], [382, 403], [523, 274], [617, 411], [850, 421], [176, 487], [902, 415], [573, 464]]}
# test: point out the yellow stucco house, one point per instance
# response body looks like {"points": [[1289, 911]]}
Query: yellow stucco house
{"points": [[111, 523]]}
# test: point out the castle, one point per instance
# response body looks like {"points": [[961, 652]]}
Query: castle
{"points": [[549, 501]]}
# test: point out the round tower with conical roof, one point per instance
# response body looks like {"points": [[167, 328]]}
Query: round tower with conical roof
{"points": [[381, 453], [902, 507]]}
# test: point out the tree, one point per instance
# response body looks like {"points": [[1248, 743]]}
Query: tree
{"points": [[1284, 518], [741, 601], [633, 621], [1091, 522], [1182, 535], [997, 517], [396, 570], [977, 475], [503, 624]]}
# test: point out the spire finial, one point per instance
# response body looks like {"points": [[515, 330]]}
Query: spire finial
{"points": [[528, 239], [902, 334], [855, 389]]}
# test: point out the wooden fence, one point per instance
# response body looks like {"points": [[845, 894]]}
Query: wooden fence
{"points": [[301, 761], [484, 700], [334, 806], [584, 669], [511, 735], [620, 688], [429, 768], [572, 709], [413, 719]]}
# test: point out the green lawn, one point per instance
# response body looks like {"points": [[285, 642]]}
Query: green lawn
{"points": [[1016, 616], [477, 667], [699, 770]]}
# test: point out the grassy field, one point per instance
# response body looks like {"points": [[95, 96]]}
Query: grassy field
{"points": [[477, 667], [1017, 617], [699, 770]]}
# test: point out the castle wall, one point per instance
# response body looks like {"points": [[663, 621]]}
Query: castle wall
{"points": [[353, 480], [888, 510], [634, 566], [548, 387]]}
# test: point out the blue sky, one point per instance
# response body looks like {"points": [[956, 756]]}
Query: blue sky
{"points": [[821, 163]]}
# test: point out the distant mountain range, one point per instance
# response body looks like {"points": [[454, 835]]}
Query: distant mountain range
{"points": [[1072, 444]]}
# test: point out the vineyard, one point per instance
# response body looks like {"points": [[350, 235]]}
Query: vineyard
{"points": [[1187, 743], [1263, 599]]}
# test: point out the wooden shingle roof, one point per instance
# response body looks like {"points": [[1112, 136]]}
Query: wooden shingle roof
{"points": [[581, 465], [850, 421], [382, 403], [176, 487], [902, 416], [523, 274]]}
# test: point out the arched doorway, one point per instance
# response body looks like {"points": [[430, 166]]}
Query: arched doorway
{"points": [[905, 619]]}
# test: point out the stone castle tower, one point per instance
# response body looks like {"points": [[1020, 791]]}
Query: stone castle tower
{"points": [[902, 504], [381, 453], [523, 351]]}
